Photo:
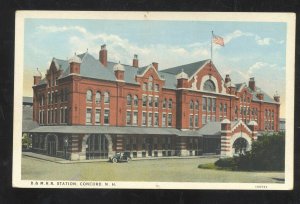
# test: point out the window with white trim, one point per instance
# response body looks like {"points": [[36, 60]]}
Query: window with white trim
{"points": [[164, 120], [106, 116], [98, 97], [144, 118], [128, 117], [106, 97], [150, 119], [89, 96], [98, 116], [169, 120], [156, 119], [135, 118], [88, 117]]}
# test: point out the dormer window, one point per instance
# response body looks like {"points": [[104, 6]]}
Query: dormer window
{"points": [[156, 87], [145, 86], [150, 84]]}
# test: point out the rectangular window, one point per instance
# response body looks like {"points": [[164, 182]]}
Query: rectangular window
{"points": [[128, 118], [208, 118], [164, 119], [150, 119], [106, 116], [203, 119], [54, 116], [66, 115], [225, 108], [88, 117], [213, 118], [156, 102], [196, 121], [204, 103], [214, 105], [61, 115], [169, 120], [135, 118], [155, 119], [98, 116], [209, 104], [191, 121], [144, 115], [150, 101], [144, 86], [144, 101]]}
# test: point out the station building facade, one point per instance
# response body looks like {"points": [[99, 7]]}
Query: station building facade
{"points": [[91, 108]]}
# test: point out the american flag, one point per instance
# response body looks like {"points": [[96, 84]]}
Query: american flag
{"points": [[218, 40]]}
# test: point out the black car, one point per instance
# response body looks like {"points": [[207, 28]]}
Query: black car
{"points": [[119, 157]]}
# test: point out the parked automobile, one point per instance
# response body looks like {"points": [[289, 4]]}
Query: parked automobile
{"points": [[120, 157]]}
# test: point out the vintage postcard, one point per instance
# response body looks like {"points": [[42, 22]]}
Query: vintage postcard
{"points": [[154, 100]]}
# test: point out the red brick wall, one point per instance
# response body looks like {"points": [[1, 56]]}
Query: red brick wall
{"points": [[118, 92]]}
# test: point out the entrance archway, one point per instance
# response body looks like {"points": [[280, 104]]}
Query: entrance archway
{"points": [[240, 146], [97, 147], [240, 143]]}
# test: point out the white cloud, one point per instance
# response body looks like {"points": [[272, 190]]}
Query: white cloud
{"points": [[258, 39], [54, 29]]}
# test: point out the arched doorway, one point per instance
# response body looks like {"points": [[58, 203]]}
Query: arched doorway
{"points": [[240, 146], [97, 147], [51, 145]]}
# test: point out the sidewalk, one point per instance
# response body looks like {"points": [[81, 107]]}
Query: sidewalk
{"points": [[63, 161]]}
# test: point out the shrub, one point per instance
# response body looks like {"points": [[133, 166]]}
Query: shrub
{"points": [[267, 153]]}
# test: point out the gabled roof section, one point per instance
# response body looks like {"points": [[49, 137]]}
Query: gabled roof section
{"points": [[267, 98], [143, 70], [240, 86], [189, 69]]}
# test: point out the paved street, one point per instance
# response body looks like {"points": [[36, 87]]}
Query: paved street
{"points": [[165, 170]]}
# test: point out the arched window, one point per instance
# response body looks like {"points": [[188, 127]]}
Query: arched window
{"points": [[129, 100], [191, 104], [135, 100], [170, 103], [106, 97], [165, 103], [150, 84], [98, 97], [209, 86], [89, 96], [196, 105]]}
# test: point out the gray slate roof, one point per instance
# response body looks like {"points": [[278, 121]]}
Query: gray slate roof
{"points": [[189, 69], [210, 129]]}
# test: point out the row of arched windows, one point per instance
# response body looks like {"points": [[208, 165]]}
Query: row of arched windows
{"points": [[98, 96], [133, 99]]}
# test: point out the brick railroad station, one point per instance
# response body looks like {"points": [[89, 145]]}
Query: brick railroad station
{"points": [[89, 108]]}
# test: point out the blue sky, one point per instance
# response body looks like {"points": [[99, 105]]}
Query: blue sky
{"points": [[252, 49]]}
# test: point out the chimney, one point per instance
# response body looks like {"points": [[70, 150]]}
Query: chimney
{"points": [[36, 80], [103, 55], [227, 79], [75, 62], [260, 95], [276, 97], [119, 72], [252, 84], [155, 65], [135, 61], [182, 80], [232, 89]]}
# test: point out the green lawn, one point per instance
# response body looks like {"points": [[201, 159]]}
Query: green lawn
{"points": [[164, 170]]}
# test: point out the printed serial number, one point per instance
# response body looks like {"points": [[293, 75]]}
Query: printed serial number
{"points": [[261, 186]]}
